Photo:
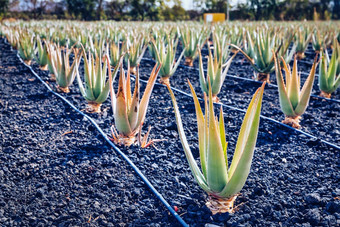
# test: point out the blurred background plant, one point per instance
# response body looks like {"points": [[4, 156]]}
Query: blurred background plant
{"points": [[169, 10]]}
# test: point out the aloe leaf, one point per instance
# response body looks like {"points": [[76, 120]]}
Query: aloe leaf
{"points": [[285, 104], [201, 130], [121, 117], [80, 84], [332, 70], [222, 136], [87, 73], [240, 167], [133, 111], [191, 160], [217, 175], [287, 73], [128, 88], [104, 94], [177, 62], [306, 90], [323, 76], [202, 80], [98, 77], [146, 96], [294, 87]]}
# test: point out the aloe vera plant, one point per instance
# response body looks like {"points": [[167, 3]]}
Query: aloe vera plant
{"points": [[97, 85], [302, 39], [115, 53], [293, 101], [220, 182], [165, 56], [42, 58], [64, 73], [129, 110], [26, 47], [329, 72], [135, 51], [157, 39], [220, 46], [263, 61], [215, 74], [191, 41]]}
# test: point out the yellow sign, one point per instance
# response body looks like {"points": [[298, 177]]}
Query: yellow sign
{"points": [[214, 17]]}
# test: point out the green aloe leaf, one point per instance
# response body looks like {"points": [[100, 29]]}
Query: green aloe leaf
{"points": [[285, 104], [201, 131], [306, 90], [241, 163], [199, 177], [217, 176]]}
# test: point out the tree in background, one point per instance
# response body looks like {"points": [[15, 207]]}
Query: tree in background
{"points": [[145, 9], [117, 10], [3, 8], [81, 9], [154, 10]]}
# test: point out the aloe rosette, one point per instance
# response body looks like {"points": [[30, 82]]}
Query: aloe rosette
{"points": [[26, 47], [97, 85], [263, 61], [215, 74], [129, 110], [220, 182], [293, 101], [135, 47], [42, 58], [62, 70], [166, 57], [191, 41], [329, 72], [302, 39]]}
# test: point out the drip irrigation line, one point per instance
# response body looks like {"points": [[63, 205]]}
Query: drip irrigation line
{"points": [[247, 79], [125, 157], [264, 117]]}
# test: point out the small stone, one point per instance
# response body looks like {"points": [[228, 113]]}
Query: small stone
{"points": [[313, 198], [40, 192], [313, 216], [333, 206]]}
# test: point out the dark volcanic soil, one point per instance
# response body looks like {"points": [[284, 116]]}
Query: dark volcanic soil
{"points": [[55, 169], [294, 180]]}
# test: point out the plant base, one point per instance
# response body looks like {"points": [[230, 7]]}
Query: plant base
{"points": [[133, 70], [264, 77], [28, 62], [215, 99], [164, 80], [43, 68], [52, 77], [63, 89], [93, 107], [325, 94], [220, 205], [189, 61], [125, 140], [300, 55], [292, 121]]}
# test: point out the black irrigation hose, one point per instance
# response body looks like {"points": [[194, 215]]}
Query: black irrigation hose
{"points": [[126, 158], [247, 79], [264, 117]]}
